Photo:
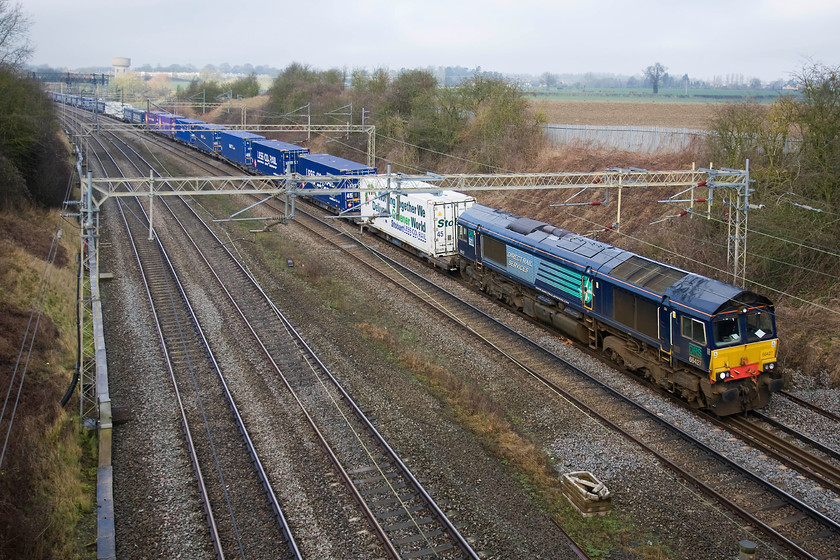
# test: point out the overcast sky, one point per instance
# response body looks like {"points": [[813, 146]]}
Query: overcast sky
{"points": [[766, 39]]}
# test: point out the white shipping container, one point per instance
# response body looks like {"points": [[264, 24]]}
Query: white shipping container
{"points": [[425, 221]]}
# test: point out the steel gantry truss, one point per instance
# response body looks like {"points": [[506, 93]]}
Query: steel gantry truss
{"points": [[736, 185]]}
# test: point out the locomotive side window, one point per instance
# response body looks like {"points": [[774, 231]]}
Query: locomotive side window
{"points": [[759, 326], [727, 331], [462, 233], [693, 330], [493, 249]]}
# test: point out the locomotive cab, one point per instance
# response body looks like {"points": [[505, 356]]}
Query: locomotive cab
{"points": [[466, 242], [744, 344], [743, 351]]}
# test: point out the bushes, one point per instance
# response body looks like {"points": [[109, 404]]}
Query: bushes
{"points": [[794, 156], [485, 122], [33, 159], [211, 91]]}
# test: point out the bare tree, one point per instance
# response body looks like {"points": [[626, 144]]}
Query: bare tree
{"points": [[655, 75], [15, 47]]}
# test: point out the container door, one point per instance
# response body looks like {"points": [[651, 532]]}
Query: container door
{"points": [[444, 228]]}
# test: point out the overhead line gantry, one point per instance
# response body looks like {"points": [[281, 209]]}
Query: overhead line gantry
{"points": [[736, 197]]}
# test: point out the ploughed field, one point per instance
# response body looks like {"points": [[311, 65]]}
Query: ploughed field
{"points": [[664, 114]]}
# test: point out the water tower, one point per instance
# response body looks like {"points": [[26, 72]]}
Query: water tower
{"points": [[121, 65]]}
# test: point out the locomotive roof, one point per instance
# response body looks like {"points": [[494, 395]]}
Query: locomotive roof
{"points": [[699, 293]]}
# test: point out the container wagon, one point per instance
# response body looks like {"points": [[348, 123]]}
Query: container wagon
{"points": [[312, 165], [271, 157], [424, 223], [236, 146]]}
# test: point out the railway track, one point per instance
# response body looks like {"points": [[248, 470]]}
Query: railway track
{"points": [[811, 406], [514, 353], [809, 540], [400, 511], [219, 447]]}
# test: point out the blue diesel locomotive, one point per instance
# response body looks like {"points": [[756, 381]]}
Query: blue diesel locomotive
{"points": [[711, 343]]}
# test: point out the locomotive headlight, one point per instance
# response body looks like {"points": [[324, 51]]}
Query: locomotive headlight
{"points": [[770, 366]]}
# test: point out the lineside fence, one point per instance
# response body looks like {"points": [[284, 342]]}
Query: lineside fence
{"points": [[626, 138]]}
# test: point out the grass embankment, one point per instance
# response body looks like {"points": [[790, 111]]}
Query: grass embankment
{"points": [[49, 470]]}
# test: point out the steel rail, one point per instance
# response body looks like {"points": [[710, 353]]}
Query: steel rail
{"points": [[378, 529], [191, 449]]}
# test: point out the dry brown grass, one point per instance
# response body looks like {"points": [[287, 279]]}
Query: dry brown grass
{"points": [[42, 497], [808, 345], [682, 242]]}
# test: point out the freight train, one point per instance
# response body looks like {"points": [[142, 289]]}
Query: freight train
{"points": [[711, 343]]}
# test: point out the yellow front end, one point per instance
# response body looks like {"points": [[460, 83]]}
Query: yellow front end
{"points": [[742, 361]]}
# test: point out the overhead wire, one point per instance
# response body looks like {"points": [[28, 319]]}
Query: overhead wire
{"points": [[801, 244], [758, 256], [797, 243]]}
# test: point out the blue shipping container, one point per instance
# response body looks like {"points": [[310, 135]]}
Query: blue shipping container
{"points": [[153, 119], [166, 123], [134, 116], [325, 164], [272, 156], [207, 137], [236, 145], [185, 129]]}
